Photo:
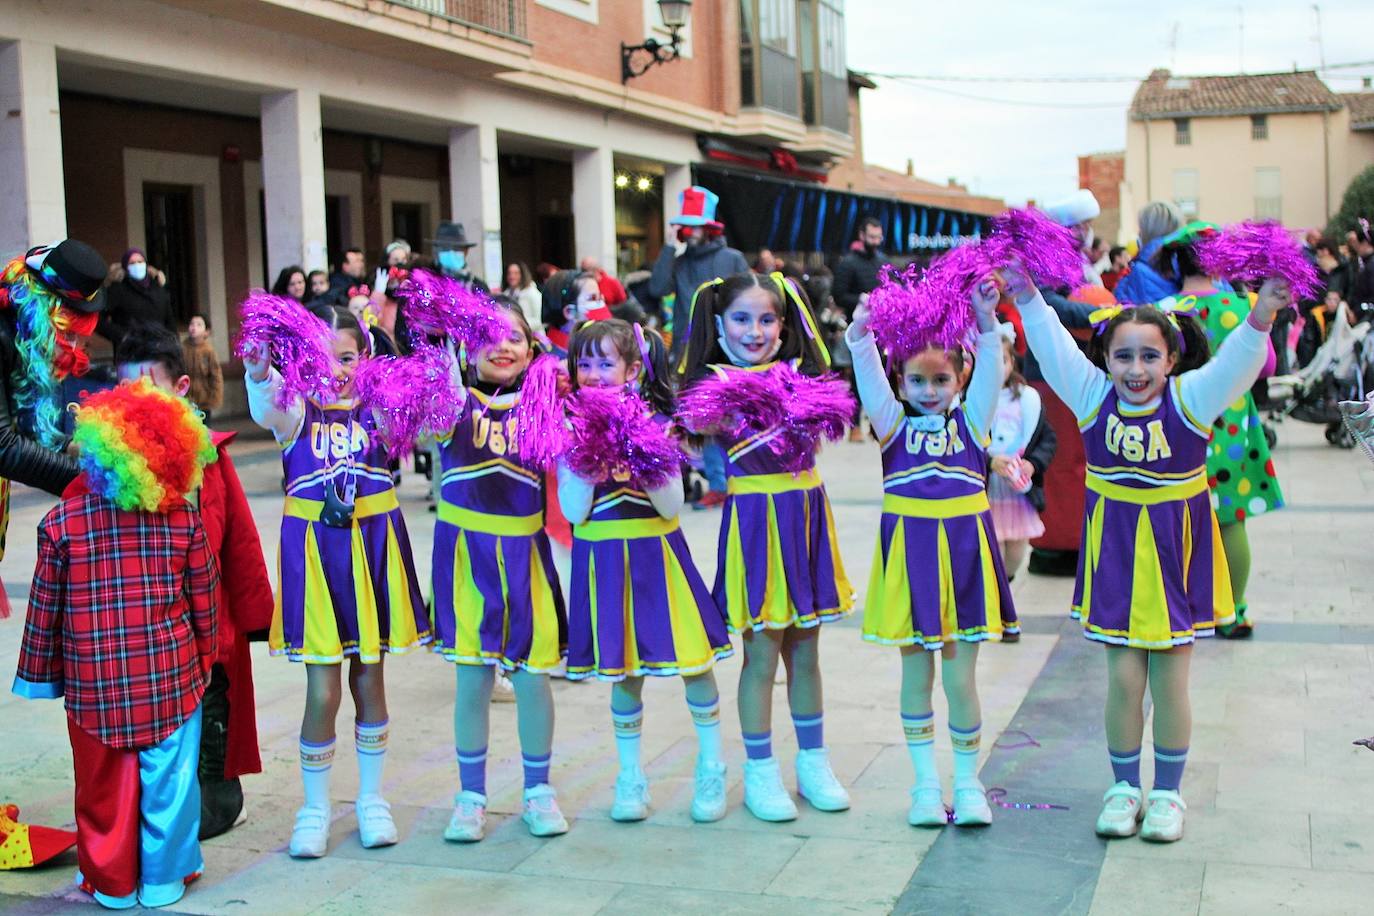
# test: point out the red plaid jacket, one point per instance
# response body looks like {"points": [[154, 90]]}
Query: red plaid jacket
{"points": [[121, 619]]}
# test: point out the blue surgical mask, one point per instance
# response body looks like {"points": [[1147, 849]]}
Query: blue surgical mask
{"points": [[138, 270], [452, 260]]}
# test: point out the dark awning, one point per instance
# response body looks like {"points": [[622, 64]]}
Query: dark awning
{"points": [[760, 211]]}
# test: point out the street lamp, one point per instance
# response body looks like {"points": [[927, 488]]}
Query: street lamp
{"points": [[675, 14]]}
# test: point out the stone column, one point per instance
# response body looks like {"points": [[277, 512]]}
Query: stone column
{"points": [[31, 181], [593, 203], [475, 196], [293, 180]]}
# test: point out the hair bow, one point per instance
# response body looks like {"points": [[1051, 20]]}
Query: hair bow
{"points": [[644, 351], [808, 320], [1170, 306]]}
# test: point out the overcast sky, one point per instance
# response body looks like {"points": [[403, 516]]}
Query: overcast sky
{"points": [[1029, 148]]}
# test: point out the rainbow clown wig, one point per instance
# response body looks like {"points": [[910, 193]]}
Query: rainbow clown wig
{"points": [[45, 335], [140, 447]]}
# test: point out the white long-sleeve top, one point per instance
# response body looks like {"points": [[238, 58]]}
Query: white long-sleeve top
{"points": [[284, 423], [886, 413], [1204, 392], [575, 496]]}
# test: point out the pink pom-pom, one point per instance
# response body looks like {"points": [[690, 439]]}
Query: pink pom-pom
{"points": [[1048, 252], [1256, 251], [442, 305], [793, 411], [411, 393], [614, 432], [541, 436], [299, 344], [914, 310]]}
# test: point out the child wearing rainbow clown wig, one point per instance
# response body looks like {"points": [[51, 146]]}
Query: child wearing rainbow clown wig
{"points": [[121, 623], [1152, 574]]}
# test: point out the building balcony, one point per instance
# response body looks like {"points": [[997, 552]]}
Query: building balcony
{"points": [[500, 17]]}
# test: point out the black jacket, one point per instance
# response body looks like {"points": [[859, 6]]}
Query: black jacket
{"points": [[128, 303], [1040, 452], [856, 274], [22, 459]]}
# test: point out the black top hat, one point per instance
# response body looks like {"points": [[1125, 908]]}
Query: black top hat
{"points": [[450, 235], [72, 270]]}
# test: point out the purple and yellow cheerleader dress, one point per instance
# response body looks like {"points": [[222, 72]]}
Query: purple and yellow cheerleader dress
{"points": [[352, 590], [1152, 573], [937, 572], [497, 600], [778, 563], [638, 606]]}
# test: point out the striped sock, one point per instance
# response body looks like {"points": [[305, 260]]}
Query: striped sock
{"points": [[316, 761], [1125, 766], [536, 769], [920, 744], [472, 770], [707, 721], [758, 746], [370, 739], [810, 734], [966, 742], [628, 727], [1169, 763]]}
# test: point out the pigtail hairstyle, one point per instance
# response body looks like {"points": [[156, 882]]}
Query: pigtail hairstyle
{"points": [[1178, 261], [800, 334], [1183, 336]]}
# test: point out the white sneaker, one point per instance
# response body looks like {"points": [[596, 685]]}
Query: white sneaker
{"points": [[708, 801], [631, 796], [816, 782], [503, 691], [542, 815], [764, 794], [971, 807], [1121, 811], [927, 807], [375, 826], [310, 835], [1163, 817], [469, 818]]}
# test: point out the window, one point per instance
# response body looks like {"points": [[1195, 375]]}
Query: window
{"points": [[1268, 193], [778, 25], [1183, 134], [825, 77], [407, 222], [748, 34], [1259, 127], [830, 33], [1186, 191]]}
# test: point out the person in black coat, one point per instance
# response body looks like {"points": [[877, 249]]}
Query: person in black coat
{"points": [[65, 281], [137, 296], [857, 273]]}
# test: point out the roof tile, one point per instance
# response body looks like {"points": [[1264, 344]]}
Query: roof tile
{"points": [[1164, 95]]}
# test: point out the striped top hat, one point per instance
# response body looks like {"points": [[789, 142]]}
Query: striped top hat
{"points": [[697, 207]]}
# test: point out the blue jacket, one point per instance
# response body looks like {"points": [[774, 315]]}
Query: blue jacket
{"points": [[1144, 283]]}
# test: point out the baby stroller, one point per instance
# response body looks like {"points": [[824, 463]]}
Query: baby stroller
{"points": [[1341, 370]]}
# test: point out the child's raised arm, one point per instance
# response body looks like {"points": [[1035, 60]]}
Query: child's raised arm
{"points": [[980, 398], [263, 382], [885, 414], [1207, 391], [1080, 384]]}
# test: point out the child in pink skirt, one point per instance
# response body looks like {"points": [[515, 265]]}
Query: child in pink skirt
{"points": [[1009, 486]]}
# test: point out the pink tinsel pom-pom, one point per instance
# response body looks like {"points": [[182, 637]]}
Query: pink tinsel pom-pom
{"points": [[541, 435], [411, 393], [439, 304], [1048, 252], [793, 410], [1256, 251], [913, 310], [300, 345], [614, 432]]}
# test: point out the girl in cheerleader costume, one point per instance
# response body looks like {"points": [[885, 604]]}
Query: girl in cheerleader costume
{"points": [[778, 574], [638, 606], [938, 584], [1152, 574], [497, 601], [347, 579], [1239, 469]]}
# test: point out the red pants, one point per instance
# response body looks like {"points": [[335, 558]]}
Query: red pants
{"points": [[1064, 488], [137, 811]]}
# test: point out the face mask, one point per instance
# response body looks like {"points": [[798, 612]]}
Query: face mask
{"points": [[452, 261], [138, 271], [735, 358]]}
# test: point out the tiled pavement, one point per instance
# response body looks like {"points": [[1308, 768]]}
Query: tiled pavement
{"points": [[1277, 794]]}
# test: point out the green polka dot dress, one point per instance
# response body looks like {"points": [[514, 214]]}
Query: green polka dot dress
{"points": [[1239, 468]]}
